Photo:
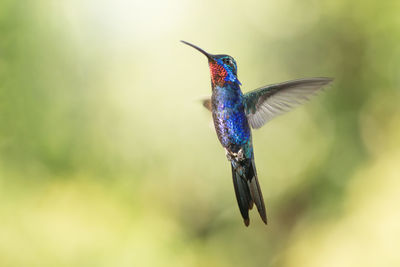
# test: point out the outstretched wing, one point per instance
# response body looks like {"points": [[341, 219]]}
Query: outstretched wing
{"points": [[265, 103], [207, 103]]}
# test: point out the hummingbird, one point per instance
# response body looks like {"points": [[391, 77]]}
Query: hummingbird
{"points": [[235, 113]]}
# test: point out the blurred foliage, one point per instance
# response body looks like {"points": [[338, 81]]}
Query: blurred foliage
{"points": [[107, 157]]}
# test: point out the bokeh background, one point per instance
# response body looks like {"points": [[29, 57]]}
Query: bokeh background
{"points": [[107, 157]]}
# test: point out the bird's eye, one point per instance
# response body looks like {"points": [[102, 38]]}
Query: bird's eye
{"points": [[228, 61]]}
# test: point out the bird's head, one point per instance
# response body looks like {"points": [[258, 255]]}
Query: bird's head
{"points": [[223, 68]]}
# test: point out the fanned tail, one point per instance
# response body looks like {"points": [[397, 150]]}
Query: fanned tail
{"points": [[247, 189]]}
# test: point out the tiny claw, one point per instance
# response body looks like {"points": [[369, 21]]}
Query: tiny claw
{"points": [[239, 156]]}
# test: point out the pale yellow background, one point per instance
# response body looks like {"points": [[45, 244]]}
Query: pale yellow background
{"points": [[107, 157]]}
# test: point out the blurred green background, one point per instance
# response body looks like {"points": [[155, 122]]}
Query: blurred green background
{"points": [[107, 157]]}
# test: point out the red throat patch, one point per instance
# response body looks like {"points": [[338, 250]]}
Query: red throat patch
{"points": [[218, 73]]}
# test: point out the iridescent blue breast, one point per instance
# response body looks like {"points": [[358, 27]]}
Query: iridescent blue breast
{"points": [[230, 120]]}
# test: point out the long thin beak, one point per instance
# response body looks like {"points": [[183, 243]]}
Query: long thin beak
{"points": [[209, 56]]}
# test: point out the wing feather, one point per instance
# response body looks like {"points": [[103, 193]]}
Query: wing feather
{"points": [[267, 102], [207, 103]]}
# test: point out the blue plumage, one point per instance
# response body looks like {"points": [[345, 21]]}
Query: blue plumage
{"points": [[233, 131], [230, 71], [234, 113], [230, 120]]}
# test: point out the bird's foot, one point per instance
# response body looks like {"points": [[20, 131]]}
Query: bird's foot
{"points": [[239, 156]]}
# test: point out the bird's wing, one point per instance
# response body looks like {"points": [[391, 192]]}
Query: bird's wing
{"points": [[207, 103], [267, 102]]}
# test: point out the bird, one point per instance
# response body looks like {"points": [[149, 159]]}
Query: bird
{"points": [[235, 113]]}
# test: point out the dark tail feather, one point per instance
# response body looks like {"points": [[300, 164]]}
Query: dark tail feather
{"points": [[247, 189], [243, 196], [256, 193]]}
